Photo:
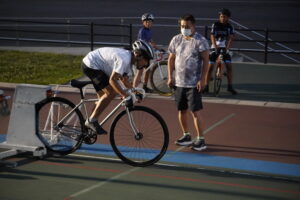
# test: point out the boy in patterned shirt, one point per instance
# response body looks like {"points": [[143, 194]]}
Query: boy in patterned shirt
{"points": [[189, 56]]}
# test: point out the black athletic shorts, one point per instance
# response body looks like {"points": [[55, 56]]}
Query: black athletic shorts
{"points": [[188, 98], [99, 79], [213, 55]]}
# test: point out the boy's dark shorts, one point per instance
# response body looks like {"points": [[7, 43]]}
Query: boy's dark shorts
{"points": [[213, 55], [99, 79], [188, 98]]}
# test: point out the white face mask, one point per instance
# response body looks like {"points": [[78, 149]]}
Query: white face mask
{"points": [[186, 32]]}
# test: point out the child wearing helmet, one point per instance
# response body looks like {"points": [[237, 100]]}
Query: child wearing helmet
{"points": [[145, 34]]}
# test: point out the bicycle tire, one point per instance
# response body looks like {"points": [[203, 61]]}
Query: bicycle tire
{"points": [[146, 150], [158, 83], [66, 138], [217, 81]]}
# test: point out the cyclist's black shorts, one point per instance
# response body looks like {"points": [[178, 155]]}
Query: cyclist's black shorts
{"points": [[213, 55], [188, 98], [99, 79]]}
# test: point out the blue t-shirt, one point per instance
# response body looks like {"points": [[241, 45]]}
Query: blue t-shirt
{"points": [[145, 34]]}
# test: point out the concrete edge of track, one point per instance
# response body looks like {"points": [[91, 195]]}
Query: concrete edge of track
{"points": [[90, 90]]}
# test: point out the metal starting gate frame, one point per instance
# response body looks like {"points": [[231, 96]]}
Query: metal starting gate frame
{"points": [[21, 135]]}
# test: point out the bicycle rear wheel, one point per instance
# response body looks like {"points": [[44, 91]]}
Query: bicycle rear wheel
{"points": [[159, 78], [62, 137], [217, 81], [148, 146]]}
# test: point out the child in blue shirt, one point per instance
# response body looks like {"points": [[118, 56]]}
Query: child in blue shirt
{"points": [[145, 34]]}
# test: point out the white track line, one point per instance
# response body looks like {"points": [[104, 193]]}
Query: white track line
{"points": [[209, 129], [118, 176], [88, 189]]}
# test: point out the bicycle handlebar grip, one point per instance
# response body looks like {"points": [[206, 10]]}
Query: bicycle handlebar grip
{"points": [[134, 94]]}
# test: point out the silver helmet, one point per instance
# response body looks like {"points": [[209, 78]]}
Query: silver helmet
{"points": [[147, 16], [144, 48]]}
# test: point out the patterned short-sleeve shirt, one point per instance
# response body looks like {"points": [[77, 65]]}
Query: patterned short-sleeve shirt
{"points": [[188, 61]]}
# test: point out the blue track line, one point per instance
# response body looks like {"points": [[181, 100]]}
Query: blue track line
{"points": [[205, 160]]}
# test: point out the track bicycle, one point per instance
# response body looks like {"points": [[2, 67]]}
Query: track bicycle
{"points": [[159, 74], [138, 135], [219, 72]]}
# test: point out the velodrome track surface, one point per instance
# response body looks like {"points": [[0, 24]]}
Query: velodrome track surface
{"points": [[247, 158]]}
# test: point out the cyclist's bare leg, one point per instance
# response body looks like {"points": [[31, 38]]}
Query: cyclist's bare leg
{"points": [[183, 117], [105, 96], [198, 123], [229, 73], [145, 82], [229, 78], [209, 76], [146, 76]]}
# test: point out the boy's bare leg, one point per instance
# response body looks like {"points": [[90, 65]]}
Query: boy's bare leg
{"points": [[198, 123], [182, 117]]}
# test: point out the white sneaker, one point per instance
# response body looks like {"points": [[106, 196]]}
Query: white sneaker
{"points": [[95, 126]]}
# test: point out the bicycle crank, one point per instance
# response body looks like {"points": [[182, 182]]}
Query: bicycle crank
{"points": [[91, 137]]}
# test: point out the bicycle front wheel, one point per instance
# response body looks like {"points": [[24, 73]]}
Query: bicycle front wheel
{"points": [[59, 127], [159, 78], [141, 145], [217, 81]]}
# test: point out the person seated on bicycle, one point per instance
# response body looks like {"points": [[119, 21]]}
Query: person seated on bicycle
{"points": [[145, 34], [222, 33], [107, 66]]}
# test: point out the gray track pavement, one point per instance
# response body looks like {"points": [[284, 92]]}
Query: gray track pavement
{"points": [[83, 178]]}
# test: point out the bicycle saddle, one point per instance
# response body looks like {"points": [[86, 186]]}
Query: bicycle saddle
{"points": [[79, 84]]}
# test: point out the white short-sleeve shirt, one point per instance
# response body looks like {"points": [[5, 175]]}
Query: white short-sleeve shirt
{"points": [[109, 59]]}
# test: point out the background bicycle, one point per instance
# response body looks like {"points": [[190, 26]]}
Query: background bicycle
{"points": [[219, 71], [159, 74], [138, 135]]}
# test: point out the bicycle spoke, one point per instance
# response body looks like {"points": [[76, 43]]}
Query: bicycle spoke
{"points": [[145, 149], [159, 78], [57, 135]]}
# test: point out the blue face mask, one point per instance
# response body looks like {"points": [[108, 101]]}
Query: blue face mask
{"points": [[186, 32]]}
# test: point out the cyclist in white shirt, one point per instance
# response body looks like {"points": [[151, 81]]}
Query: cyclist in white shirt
{"points": [[105, 67]]}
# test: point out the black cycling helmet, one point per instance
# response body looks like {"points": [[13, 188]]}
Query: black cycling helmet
{"points": [[225, 11], [144, 48], [147, 16]]}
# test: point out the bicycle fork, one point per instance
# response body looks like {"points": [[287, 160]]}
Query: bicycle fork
{"points": [[138, 135]]}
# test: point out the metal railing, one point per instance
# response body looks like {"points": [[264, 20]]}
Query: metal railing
{"points": [[84, 34], [265, 43], [259, 41]]}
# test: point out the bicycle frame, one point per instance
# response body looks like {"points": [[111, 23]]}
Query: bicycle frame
{"points": [[82, 103], [160, 57]]}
